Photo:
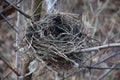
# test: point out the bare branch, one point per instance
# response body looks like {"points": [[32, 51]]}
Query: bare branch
{"points": [[8, 23], [107, 72], [26, 15], [2, 58], [101, 47]]}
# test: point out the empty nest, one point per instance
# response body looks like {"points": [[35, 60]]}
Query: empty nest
{"points": [[55, 39]]}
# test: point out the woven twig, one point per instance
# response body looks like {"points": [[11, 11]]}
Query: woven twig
{"points": [[55, 36]]}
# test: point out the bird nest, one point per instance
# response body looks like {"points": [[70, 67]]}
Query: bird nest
{"points": [[57, 40]]}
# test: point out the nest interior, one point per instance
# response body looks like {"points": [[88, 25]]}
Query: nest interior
{"points": [[56, 38]]}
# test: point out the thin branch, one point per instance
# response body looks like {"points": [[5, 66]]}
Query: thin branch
{"points": [[109, 33], [105, 59], [101, 47], [102, 68], [98, 68], [9, 6], [50, 5], [107, 72], [17, 44], [96, 48], [1, 57], [8, 22], [16, 8], [6, 75], [37, 9]]}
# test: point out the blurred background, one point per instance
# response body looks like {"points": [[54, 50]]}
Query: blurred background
{"points": [[101, 18]]}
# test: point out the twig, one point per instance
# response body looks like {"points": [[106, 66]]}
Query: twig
{"points": [[16, 8], [8, 22], [107, 72], [101, 68], [50, 5], [17, 44], [1, 57], [96, 48], [98, 68], [109, 33], [8, 73], [101, 7], [36, 9], [9, 6], [98, 12], [92, 67], [112, 55], [101, 47]]}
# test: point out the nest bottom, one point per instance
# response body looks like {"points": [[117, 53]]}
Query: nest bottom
{"points": [[59, 63]]}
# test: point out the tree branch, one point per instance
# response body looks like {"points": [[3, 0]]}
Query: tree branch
{"points": [[101, 47], [96, 48]]}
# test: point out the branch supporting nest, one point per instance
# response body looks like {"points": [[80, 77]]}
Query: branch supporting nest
{"points": [[96, 48]]}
